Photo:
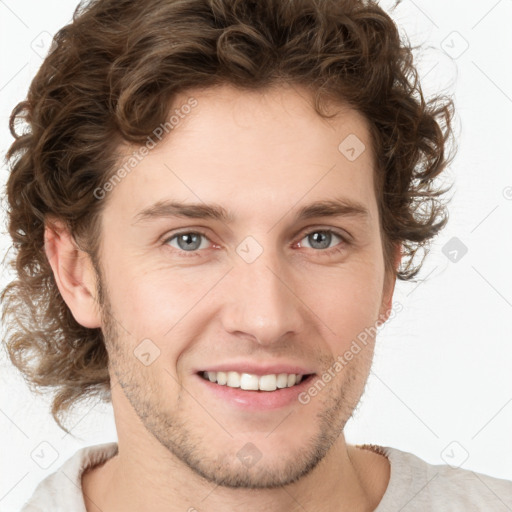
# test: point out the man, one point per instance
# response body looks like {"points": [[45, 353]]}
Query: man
{"points": [[212, 205]]}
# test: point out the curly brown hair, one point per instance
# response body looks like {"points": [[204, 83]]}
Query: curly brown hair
{"points": [[111, 77]]}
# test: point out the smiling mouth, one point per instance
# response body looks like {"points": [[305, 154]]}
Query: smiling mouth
{"points": [[252, 382]]}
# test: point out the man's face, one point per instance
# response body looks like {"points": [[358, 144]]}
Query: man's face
{"points": [[263, 289]]}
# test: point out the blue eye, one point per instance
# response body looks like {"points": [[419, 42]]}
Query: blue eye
{"points": [[323, 240], [188, 243]]}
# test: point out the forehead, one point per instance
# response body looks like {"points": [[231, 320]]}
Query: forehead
{"points": [[252, 150]]}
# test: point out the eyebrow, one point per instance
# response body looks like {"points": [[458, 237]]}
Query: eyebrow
{"points": [[339, 207]]}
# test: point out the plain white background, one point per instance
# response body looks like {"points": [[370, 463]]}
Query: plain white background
{"points": [[441, 384]]}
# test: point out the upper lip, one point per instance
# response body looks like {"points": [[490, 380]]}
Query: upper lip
{"points": [[258, 369]]}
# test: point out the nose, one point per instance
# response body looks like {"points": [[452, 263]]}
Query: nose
{"points": [[262, 301]]}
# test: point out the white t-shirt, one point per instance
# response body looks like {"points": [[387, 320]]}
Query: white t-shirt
{"points": [[414, 485]]}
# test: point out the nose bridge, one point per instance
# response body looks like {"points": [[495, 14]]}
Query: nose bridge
{"points": [[263, 304]]}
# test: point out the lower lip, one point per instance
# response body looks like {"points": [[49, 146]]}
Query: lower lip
{"points": [[257, 400]]}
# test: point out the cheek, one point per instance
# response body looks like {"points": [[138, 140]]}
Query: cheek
{"points": [[348, 302], [148, 302], [162, 304], [155, 303]]}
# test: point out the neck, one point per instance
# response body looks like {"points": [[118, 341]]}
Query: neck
{"points": [[348, 478]]}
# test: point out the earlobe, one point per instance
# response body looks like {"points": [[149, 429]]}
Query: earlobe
{"points": [[73, 273]]}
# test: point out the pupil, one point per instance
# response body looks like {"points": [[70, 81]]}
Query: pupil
{"points": [[186, 238], [326, 238]]}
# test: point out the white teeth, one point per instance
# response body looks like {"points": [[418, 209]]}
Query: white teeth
{"points": [[233, 380], [268, 383], [248, 381], [253, 382], [282, 380]]}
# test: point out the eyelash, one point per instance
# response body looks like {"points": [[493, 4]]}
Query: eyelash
{"points": [[330, 252]]}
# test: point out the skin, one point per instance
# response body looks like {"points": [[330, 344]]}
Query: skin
{"points": [[262, 156]]}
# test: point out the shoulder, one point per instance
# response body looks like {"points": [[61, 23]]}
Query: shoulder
{"points": [[62, 490], [416, 485]]}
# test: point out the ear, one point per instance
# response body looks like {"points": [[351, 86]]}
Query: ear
{"points": [[389, 286], [73, 272]]}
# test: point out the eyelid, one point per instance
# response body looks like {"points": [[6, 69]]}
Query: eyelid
{"points": [[344, 235], [171, 236], [346, 238], [305, 231]]}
